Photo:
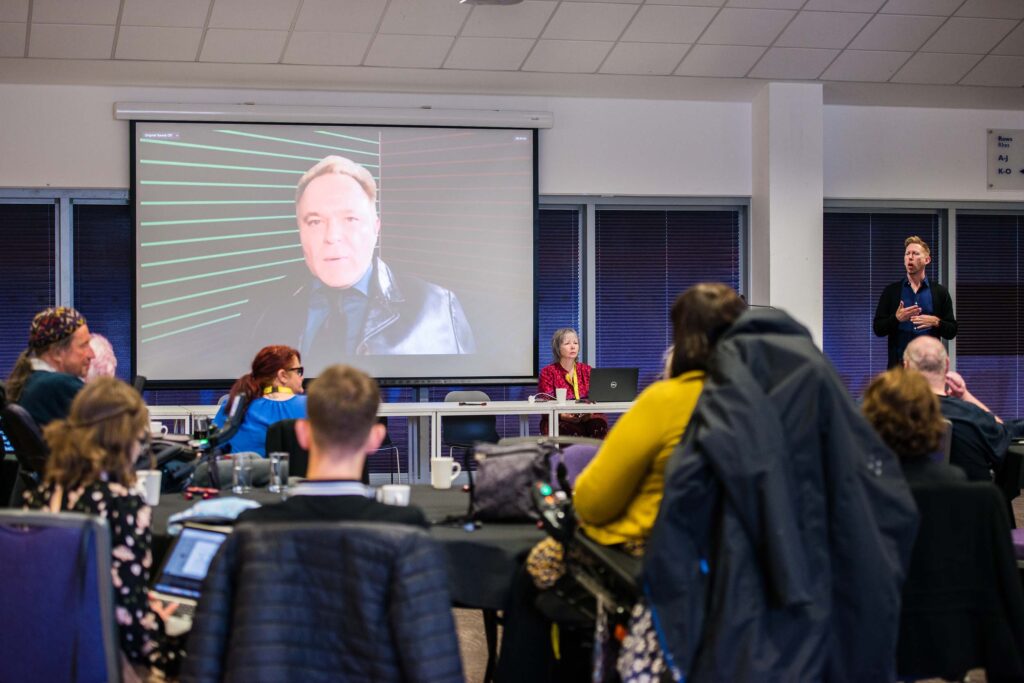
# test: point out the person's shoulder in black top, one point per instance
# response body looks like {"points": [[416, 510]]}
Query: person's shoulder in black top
{"points": [[334, 501], [925, 470]]}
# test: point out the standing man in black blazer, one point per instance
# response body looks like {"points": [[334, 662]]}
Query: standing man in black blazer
{"points": [[914, 306]]}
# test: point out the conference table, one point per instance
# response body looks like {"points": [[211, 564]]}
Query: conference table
{"points": [[434, 411], [480, 562]]}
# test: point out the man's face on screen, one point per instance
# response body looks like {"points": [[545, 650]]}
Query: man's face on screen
{"points": [[338, 227]]}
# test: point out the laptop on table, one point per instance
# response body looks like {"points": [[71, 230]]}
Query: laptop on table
{"points": [[180, 577], [609, 385]]}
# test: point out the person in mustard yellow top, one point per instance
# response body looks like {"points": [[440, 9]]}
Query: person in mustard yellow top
{"points": [[618, 494]]}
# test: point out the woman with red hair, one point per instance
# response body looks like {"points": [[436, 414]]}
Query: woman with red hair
{"points": [[273, 392]]}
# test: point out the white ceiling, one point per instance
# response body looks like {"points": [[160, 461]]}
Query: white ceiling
{"points": [[527, 48]]}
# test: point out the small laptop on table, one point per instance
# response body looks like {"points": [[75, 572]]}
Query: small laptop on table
{"points": [[608, 385], [180, 578]]}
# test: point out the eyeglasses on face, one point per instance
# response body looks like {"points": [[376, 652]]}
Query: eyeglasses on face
{"points": [[299, 369]]}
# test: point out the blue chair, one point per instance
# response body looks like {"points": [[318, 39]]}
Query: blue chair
{"points": [[56, 599]]}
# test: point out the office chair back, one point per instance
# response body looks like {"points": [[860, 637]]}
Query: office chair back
{"points": [[26, 438], [946, 442], [963, 604], [281, 437], [1008, 480], [56, 598], [464, 431]]}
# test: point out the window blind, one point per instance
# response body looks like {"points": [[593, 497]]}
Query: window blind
{"points": [[990, 309], [863, 252], [644, 259]]}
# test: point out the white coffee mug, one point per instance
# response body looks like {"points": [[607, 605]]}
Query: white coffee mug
{"points": [[443, 472], [147, 483], [157, 428], [393, 494], [560, 394]]}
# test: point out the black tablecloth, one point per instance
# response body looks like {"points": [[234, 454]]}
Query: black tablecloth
{"points": [[480, 562]]}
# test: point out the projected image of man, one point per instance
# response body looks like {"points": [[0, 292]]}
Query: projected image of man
{"points": [[355, 304]]}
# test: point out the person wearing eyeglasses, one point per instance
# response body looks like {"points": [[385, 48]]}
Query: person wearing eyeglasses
{"points": [[273, 391], [91, 469]]}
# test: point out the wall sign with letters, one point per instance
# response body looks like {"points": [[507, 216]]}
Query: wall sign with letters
{"points": [[1005, 159]]}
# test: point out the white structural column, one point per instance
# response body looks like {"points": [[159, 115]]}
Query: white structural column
{"points": [[787, 201]]}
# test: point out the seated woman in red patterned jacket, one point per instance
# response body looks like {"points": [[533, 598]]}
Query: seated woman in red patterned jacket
{"points": [[566, 373]]}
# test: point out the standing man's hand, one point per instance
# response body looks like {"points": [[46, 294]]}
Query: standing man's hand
{"points": [[923, 322], [905, 313]]}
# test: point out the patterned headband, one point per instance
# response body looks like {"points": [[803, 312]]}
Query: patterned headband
{"points": [[53, 325]]}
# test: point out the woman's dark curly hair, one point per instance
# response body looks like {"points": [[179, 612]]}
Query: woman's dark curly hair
{"points": [[901, 407]]}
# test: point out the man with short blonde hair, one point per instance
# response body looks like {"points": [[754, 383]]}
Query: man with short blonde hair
{"points": [[913, 306]]}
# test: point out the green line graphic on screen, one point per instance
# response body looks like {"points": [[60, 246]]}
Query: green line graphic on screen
{"points": [[216, 238], [186, 183], [216, 202], [210, 292], [307, 144], [201, 276], [193, 314], [368, 141], [194, 221], [191, 327], [221, 167], [232, 150], [224, 254]]}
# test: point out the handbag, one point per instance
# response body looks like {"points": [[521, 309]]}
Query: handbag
{"points": [[501, 488]]}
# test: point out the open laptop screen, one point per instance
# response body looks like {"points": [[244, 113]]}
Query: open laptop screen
{"points": [[188, 560]]}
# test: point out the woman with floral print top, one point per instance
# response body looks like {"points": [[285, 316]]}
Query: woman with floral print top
{"points": [[91, 469]]}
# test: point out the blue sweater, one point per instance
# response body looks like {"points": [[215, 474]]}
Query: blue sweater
{"points": [[262, 413]]}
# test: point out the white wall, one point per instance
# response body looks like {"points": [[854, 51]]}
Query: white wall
{"points": [[910, 153], [66, 136]]}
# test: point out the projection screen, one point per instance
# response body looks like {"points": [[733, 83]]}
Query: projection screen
{"points": [[432, 278]]}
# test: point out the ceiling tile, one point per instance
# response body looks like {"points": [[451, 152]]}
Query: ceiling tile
{"points": [[75, 11], [975, 36], [254, 14], [993, 9], [567, 56], [351, 17], [822, 29], [649, 59], [935, 68], [525, 20], [589, 21], [692, 3], [14, 11], [332, 48], [844, 5], [237, 46], [746, 27], [793, 62], [420, 52], [71, 41], [726, 61], [162, 13], [1012, 44], [12, 39], [896, 32], [939, 8], [424, 17], [767, 4], [490, 54], [666, 24], [156, 43], [628, 2], [873, 66], [996, 70]]}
